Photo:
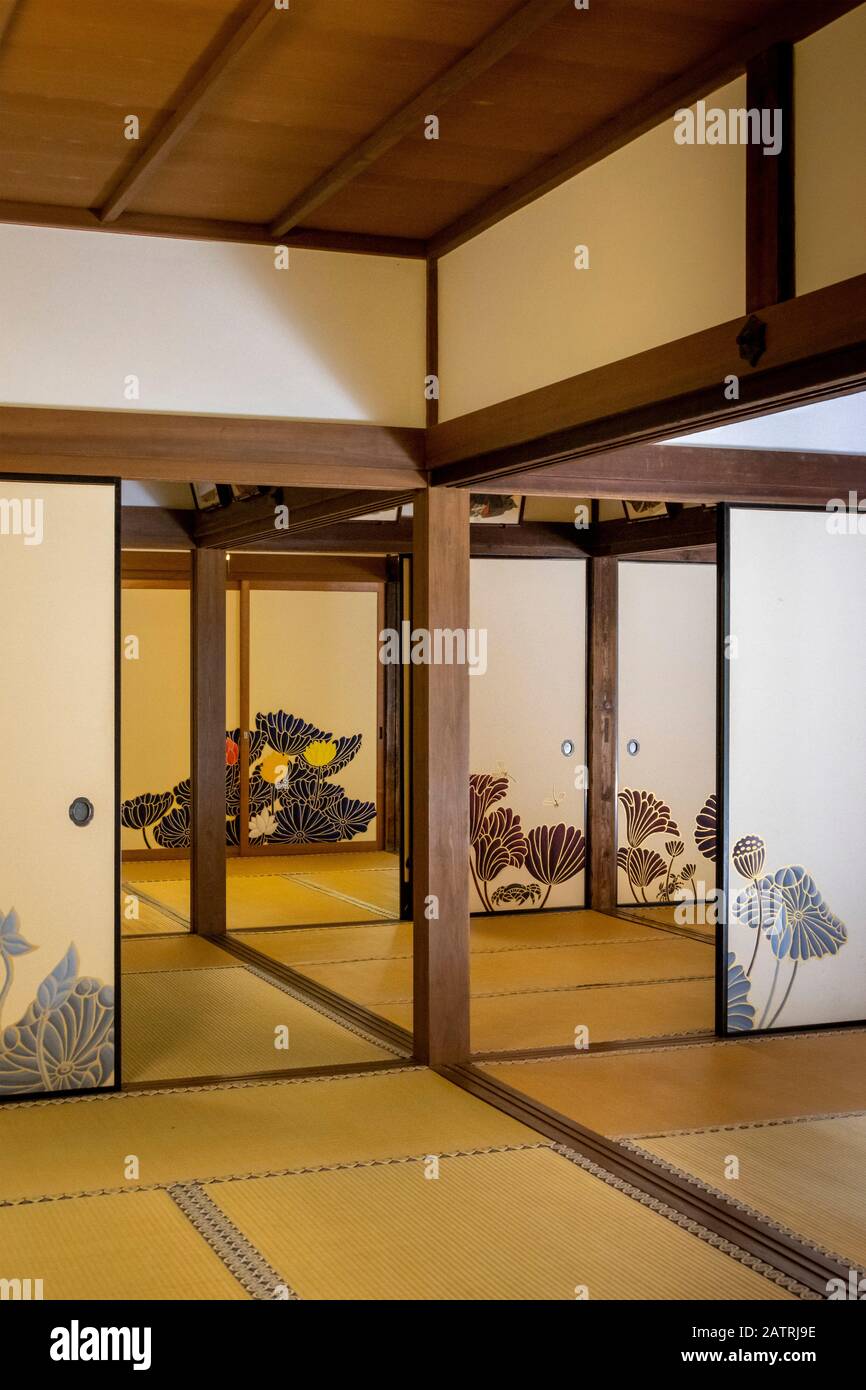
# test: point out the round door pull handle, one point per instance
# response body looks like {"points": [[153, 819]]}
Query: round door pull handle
{"points": [[81, 811]]}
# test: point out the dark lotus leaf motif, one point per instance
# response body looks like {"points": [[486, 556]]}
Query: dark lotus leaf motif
{"points": [[555, 853], [804, 928], [484, 791], [287, 734], [173, 832], [348, 816], [298, 823], [183, 792], [643, 866], [141, 811], [748, 856], [500, 845], [233, 788], [705, 828], [65, 1040], [255, 742], [260, 791], [741, 1014], [645, 815], [233, 830]]}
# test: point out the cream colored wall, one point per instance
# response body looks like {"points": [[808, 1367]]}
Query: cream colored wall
{"points": [[797, 749], [155, 693], [667, 702], [830, 153], [209, 327], [57, 708], [664, 226], [314, 654], [533, 695]]}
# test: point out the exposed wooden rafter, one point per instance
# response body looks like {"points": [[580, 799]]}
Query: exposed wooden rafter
{"points": [[201, 89], [207, 229], [495, 46], [693, 528], [793, 22]]}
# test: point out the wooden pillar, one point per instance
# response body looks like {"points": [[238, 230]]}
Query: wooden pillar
{"points": [[603, 615], [440, 792], [208, 762], [770, 273]]}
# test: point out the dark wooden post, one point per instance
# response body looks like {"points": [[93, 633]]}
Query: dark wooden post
{"points": [[770, 272], [440, 794], [603, 613], [207, 762]]}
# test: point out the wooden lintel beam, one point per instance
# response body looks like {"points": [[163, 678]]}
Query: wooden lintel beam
{"points": [[803, 350], [770, 273], [201, 88], [156, 528], [495, 46], [208, 229], [693, 527], [603, 611], [211, 448], [794, 21]]}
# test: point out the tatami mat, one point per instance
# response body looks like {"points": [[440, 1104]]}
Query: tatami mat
{"points": [[526, 1224], [375, 982], [297, 946], [205, 1022], [173, 953], [720, 1083], [131, 1245], [52, 1147], [612, 1013], [669, 915], [376, 889], [510, 930], [141, 918], [805, 1175], [261, 900]]}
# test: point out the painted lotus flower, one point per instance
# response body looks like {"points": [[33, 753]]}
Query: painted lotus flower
{"points": [[748, 856], [65, 1040], [263, 825], [741, 1013], [645, 815], [484, 791], [320, 753], [232, 752], [273, 768], [183, 792], [705, 828], [141, 811], [286, 733]]}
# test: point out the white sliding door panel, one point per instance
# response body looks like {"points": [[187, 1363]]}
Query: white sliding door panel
{"points": [[58, 893], [796, 736], [667, 708], [527, 794]]}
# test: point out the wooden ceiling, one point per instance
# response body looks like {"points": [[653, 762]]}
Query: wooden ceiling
{"points": [[307, 122]]}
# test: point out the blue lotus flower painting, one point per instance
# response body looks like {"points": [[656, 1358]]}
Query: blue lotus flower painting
{"points": [[788, 909], [65, 1039], [292, 797]]}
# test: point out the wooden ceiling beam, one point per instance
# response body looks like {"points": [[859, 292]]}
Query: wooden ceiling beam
{"points": [[693, 528], [796, 20], [211, 448], [495, 46], [696, 473], [201, 88], [805, 349], [156, 528], [208, 229]]}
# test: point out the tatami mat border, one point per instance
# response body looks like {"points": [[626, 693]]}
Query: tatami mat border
{"points": [[686, 1223], [632, 1139], [241, 1258], [759, 1217], [331, 1014], [635, 1045]]}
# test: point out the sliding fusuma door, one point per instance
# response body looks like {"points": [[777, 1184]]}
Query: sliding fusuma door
{"points": [[59, 846], [793, 767]]}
